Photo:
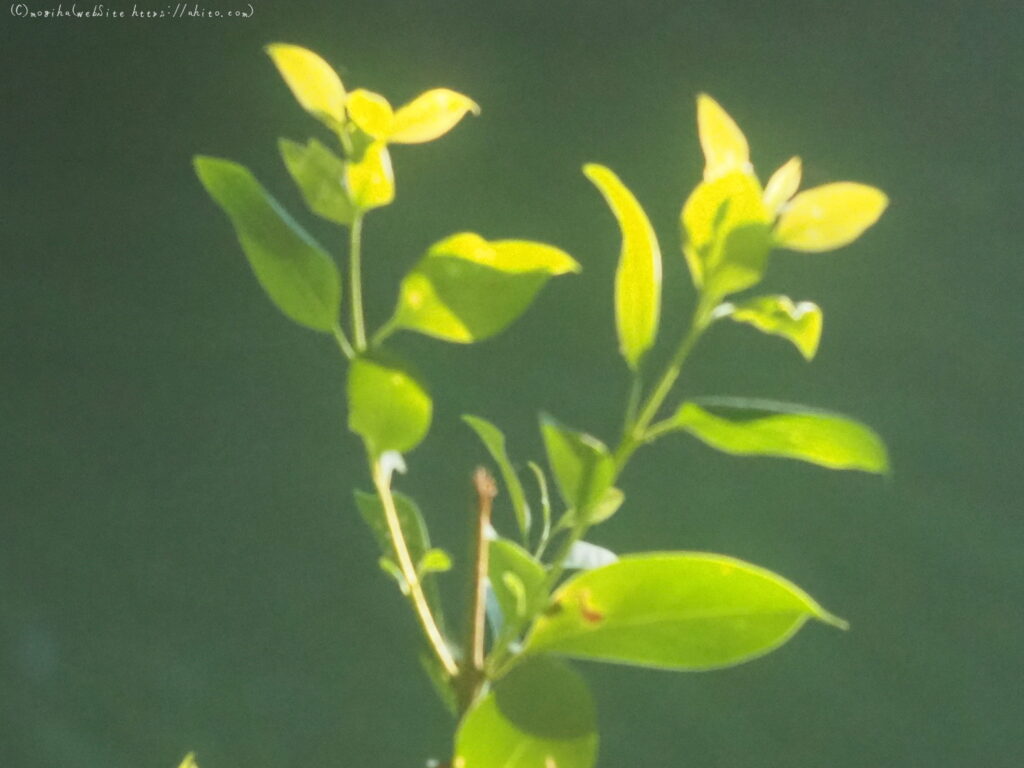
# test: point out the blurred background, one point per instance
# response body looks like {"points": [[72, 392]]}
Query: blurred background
{"points": [[181, 563]]}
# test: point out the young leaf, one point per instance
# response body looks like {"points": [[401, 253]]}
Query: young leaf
{"points": [[315, 85], [466, 289], [638, 277], [189, 761], [320, 176], [583, 467], [434, 561], [585, 556], [782, 185], [829, 216], [370, 180], [761, 428], [494, 442], [540, 715], [682, 610], [725, 147], [430, 115], [606, 506], [779, 316], [371, 112], [388, 405], [509, 559], [297, 274]]}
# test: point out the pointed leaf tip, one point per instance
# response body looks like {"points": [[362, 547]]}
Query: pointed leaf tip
{"points": [[313, 82], [829, 216], [724, 145]]}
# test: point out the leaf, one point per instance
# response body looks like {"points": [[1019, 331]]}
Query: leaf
{"points": [[607, 506], [540, 715], [189, 761], [782, 185], [370, 180], [519, 597], [494, 441], [388, 405], [315, 85], [466, 289], [320, 176], [829, 216], [371, 112], [674, 610], [430, 115], [585, 556], [638, 277], [761, 428], [434, 561], [727, 232], [779, 316], [582, 466], [296, 273], [725, 147]]}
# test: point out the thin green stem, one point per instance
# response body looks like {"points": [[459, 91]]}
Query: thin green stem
{"points": [[356, 281], [472, 675], [343, 343]]}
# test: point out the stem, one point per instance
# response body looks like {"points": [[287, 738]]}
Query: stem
{"points": [[382, 482], [342, 339], [356, 281]]}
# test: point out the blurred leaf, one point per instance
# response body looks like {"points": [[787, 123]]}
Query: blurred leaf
{"points": [[466, 289], [320, 176], [638, 277], [585, 556], [725, 146], [540, 715], [440, 681], [390, 568], [297, 274], [494, 440], [370, 180], [189, 761], [430, 115], [434, 561], [607, 506], [760, 428], [582, 466], [830, 216], [314, 83], [388, 405], [683, 610], [782, 185], [506, 559], [779, 316], [371, 112]]}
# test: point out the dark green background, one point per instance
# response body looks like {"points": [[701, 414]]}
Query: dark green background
{"points": [[181, 565]]}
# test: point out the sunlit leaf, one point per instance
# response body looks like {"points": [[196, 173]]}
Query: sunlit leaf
{"points": [[297, 274], [466, 289], [585, 556], [583, 467], [725, 146], [683, 610], [189, 761], [779, 316], [782, 185], [519, 596], [829, 216], [540, 715], [388, 405], [761, 428], [371, 112], [434, 561], [430, 115], [320, 176], [370, 179], [314, 83], [494, 440], [638, 277], [606, 506]]}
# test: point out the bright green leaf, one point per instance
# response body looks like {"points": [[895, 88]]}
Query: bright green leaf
{"points": [[507, 559], [466, 289], [315, 85], [434, 561], [189, 761], [540, 715], [494, 440], [430, 115], [371, 112], [782, 185], [388, 405], [760, 428], [320, 176], [725, 147], [829, 216], [607, 506], [683, 610], [779, 316], [583, 467], [370, 180], [297, 274], [638, 277]]}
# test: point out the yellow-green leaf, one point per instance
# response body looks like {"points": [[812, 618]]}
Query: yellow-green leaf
{"points": [[494, 441], [189, 761], [370, 180], [430, 115], [829, 216], [583, 468], [747, 427], [371, 112], [638, 277], [388, 405], [725, 147], [320, 176], [314, 83], [782, 185], [779, 316]]}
